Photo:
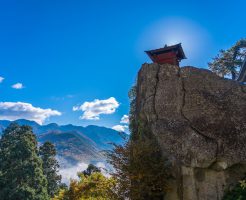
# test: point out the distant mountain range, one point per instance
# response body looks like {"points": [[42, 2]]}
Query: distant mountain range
{"points": [[74, 144]]}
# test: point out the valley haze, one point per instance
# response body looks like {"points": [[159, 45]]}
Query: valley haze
{"points": [[76, 146]]}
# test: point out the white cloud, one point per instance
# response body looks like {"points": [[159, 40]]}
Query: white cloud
{"points": [[104, 168], [120, 128], [124, 119], [18, 86], [101, 165], [92, 110], [1, 79], [20, 110], [71, 172]]}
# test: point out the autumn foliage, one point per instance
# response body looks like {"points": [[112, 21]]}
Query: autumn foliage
{"points": [[89, 187]]}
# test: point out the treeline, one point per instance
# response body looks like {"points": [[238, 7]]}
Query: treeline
{"points": [[29, 172], [26, 171]]}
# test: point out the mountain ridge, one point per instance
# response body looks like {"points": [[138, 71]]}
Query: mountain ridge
{"points": [[74, 143]]}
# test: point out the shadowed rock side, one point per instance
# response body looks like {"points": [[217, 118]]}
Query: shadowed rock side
{"points": [[199, 120]]}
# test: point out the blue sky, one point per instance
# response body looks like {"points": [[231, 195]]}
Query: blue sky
{"points": [[65, 53]]}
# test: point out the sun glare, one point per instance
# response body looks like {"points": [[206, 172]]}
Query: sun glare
{"points": [[171, 31]]}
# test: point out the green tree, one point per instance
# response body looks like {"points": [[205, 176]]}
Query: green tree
{"points": [[228, 62], [141, 171], [47, 153], [21, 173], [91, 169], [119, 158]]}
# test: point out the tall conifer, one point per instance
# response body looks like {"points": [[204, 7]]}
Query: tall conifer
{"points": [[21, 173], [50, 167]]}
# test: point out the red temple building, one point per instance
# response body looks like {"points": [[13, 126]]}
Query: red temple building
{"points": [[168, 54]]}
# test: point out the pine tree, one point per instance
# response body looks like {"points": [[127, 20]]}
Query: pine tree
{"points": [[50, 167], [21, 173], [228, 62]]}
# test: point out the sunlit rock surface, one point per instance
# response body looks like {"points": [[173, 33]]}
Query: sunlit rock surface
{"points": [[199, 120]]}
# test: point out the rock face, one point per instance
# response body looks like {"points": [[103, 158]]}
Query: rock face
{"points": [[199, 120]]}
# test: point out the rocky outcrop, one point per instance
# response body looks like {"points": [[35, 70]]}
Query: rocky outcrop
{"points": [[199, 120]]}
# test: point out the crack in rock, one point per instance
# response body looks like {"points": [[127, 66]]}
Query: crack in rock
{"points": [[156, 86]]}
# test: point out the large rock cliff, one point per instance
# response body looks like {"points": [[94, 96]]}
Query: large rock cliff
{"points": [[199, 120]]}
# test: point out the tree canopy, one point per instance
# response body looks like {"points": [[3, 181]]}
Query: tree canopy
{"points": [[228, 62], [21, 173], [91, 169]]}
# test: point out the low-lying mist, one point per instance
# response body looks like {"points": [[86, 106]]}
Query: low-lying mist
{"points": [[70, 171]]}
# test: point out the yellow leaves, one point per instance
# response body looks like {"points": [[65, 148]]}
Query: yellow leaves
{"points": [[243, 184], [60, 195], [93, 187]]}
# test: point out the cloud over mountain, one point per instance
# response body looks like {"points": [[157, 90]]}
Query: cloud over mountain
{"points": [[20, 110], [124, 119], [120, 128], [92, 110]]}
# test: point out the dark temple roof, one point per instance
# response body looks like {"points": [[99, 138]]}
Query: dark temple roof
{"points": [[242, 73], [166, 49]]}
